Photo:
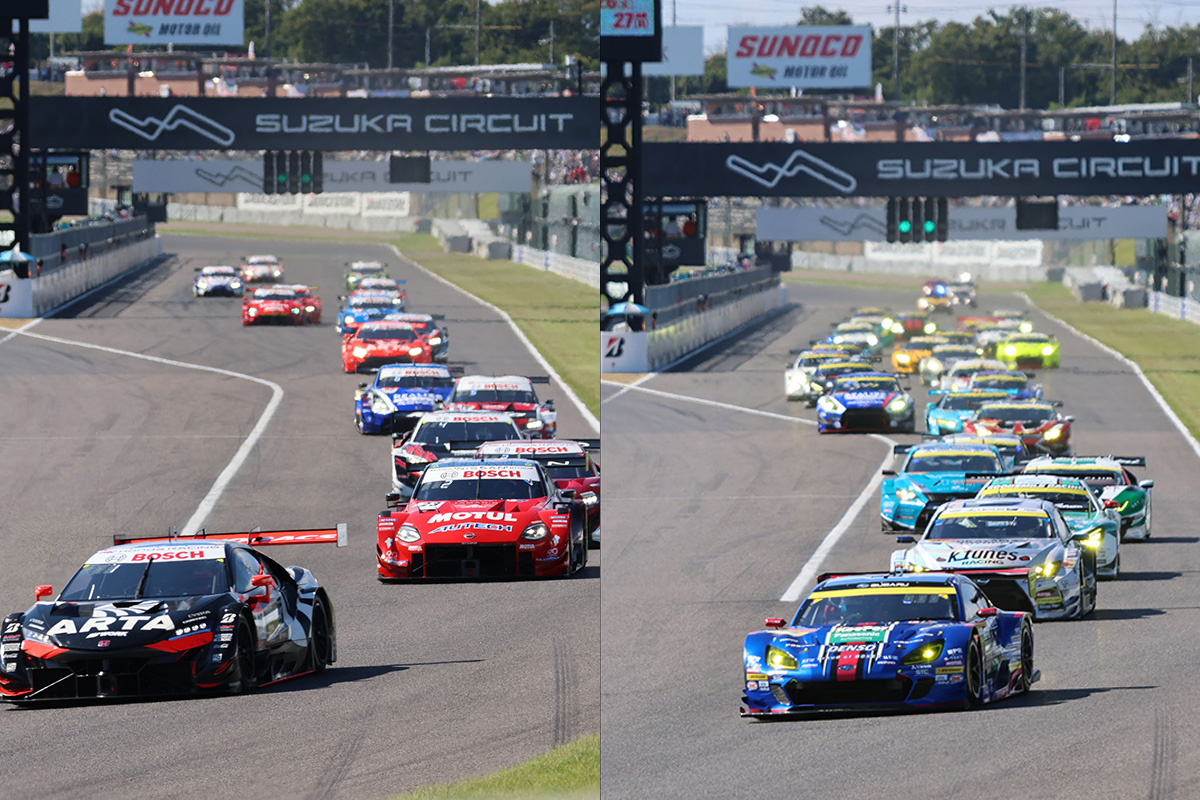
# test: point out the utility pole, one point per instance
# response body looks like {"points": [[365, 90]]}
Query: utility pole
{"points": [[1024, 51], [267, 30], [479, 26], [1062, 86], [672, 74], [1112, 95], [551, 41], [1190, 97], [427, 46], [391, 28], [896, 49]]}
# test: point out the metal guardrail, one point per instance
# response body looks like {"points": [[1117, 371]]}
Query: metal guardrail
{"points": [[1181, 308], [678, 299]]}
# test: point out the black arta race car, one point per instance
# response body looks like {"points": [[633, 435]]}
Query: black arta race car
{"points": [[169, 616]]}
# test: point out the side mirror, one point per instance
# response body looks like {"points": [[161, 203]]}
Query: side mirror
{"points": [[906, 539], [1146, 484], [362, 386], [265, 582], [45, 590], [774, 622], [1110, 504], [197, 269], [393, 499], [549, 404], [1069, 418], [990, 611], [888, 472], [570, 494]]}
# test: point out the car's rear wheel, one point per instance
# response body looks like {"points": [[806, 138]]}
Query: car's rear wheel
{"points": [[974, 670], [1026, 679], [319, 639]]}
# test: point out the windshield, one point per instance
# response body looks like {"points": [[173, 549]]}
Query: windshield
{"points": [[218, 272], [960, 402], [858, 606], [274, 295], [443, 432], [947, 352], [1030, 338], [830, 370], [856, 384], [162, 579], [480, 483], [991, 526], [954, 462], [373, 303], [495, 396], [367, 269], [1067, 502], [1022, 414], [999, 381], [855, 327], [414, 381], [377, 334]]}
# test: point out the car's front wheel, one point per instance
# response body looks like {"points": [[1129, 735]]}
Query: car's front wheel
{"points": [[319, 639], [974, 670], [1026, 679]]}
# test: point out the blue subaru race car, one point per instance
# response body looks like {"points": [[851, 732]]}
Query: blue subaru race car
{"points": [[360, 308], [947, 411], [868, 401], [888, 641], [400, 395], [930, 475]]}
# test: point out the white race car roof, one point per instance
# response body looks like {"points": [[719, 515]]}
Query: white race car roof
{"points": [[262, 260], [470, 383], [140, 552], [218, 270], [408, 370], [435, 417], [446, 474], [534, 447]]}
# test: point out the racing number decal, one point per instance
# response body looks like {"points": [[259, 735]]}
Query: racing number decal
{"points": [[616, 347], [4, 291]]}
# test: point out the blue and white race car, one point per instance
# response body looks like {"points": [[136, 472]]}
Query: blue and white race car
{"points": [[217, 280], [931, 474], [360, 308], [871, 401], [947, 411], [888, 641], [399, 396]]}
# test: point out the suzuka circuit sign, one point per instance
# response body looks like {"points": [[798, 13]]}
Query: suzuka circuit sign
{"points": [[163, 22], [921, 169], [820, 57], [328, 124]]}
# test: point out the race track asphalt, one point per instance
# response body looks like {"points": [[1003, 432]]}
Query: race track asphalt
{"points": [[713, 511], [434, 682]]}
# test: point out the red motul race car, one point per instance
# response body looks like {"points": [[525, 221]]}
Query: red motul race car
{"points": [[569, 464], [312, 303], [261, 269], [512, 394], [274, 305], [1037, 422], [440, 434], [377, 343], [483, 519]]}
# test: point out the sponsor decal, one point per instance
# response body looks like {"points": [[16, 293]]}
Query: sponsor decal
{"points": [[858, 633], [482, 526], [159, 623], [490, 516], [526, 546], [948, 670], [985, 555]]}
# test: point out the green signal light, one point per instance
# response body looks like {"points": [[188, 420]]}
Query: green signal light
{"points": [[929, 226], [306, 178], [905, 226], [281, 177]]}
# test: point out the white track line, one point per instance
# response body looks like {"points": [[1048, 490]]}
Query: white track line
{"points": [[812, 567], [218, 488], [1158, 398], [588, 416]]}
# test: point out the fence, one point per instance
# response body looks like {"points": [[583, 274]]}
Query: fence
{"points": [[1181, 308], [678, 299], [578, 269], [35, 296]]}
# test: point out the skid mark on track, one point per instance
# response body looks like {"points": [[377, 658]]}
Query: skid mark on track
{"points": [[564, 685], [341, 756], [1162, 763]]}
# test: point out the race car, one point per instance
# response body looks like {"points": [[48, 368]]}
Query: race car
{"points": [[1011, 448], [272, 305], [201, 614], [871, 401], [388, 286], [962, 293], [1028, 350], [1037, 422], [935, 296], [377, 343], [933, 473], [941, 360], [958, 377], [357, 270], [429, 326], [907, 357], [569, 464], [1022, 552], [947, 411], [261, 269], [360, 308], [1015, 384], [914, 323], [511, 394], [841, 348], [888, 641], [1082, 510], [468, 518], [440, 434], [312, 302], [399, 396], [797, 377], [217, 281], [883, 326], [1110, 477], [861, 334], [823, 377]]}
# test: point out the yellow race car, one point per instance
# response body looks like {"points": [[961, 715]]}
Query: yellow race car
{"points": [[907, 357]]}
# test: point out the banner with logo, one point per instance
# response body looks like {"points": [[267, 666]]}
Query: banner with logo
{"points": [[982, 224], [814, 57], [328, 124], [920, 169], [163, 22], [469, 177]]}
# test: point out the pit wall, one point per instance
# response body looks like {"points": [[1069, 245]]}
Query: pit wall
{"points": [[33, 297]]}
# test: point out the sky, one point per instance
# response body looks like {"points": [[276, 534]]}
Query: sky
{"points": [[717, 15]]}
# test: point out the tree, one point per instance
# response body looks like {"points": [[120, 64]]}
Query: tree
{"points": [[819, 15]]}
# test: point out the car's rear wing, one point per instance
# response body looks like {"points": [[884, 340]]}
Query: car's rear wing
{"points": [[901, 449], [1124, 461], [254, 538]]}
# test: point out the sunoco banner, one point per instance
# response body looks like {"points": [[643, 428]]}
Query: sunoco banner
{"points": [[327, 124], [921, 169], [163, 22], [471, 177], [821, 57]]}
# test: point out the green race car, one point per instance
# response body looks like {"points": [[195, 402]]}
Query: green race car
{"points": [[1028, 350], [357, 270], [1111, 479]]}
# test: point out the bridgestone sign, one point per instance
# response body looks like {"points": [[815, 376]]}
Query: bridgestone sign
{"points": [[328, 124], [921, 169]]}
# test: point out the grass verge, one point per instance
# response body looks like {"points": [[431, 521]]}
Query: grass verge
{"points": [[569, 772], [558, 315]]}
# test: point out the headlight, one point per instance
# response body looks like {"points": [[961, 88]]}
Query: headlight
{"points": [[1052, 434], [201, 284], [294, 310], [925, 654], [590, 499], [397, 301], [359, 352], [871, 340], [839, 339], [930, 327], [1048, 570], [348, 320], [933, 365], [830, 405], [381, 405], [780, 659], [907, 495], [235, 284], [252, 311], [277, 273], [415, 351], [310, 308], [897, 328], [887, 322], [898, 404], [903, 358], [1010, 350], [534, 425], [408, 533], [1026, 327], [536, 531], [435, 340], [1094, 538], [1048, 350]]}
